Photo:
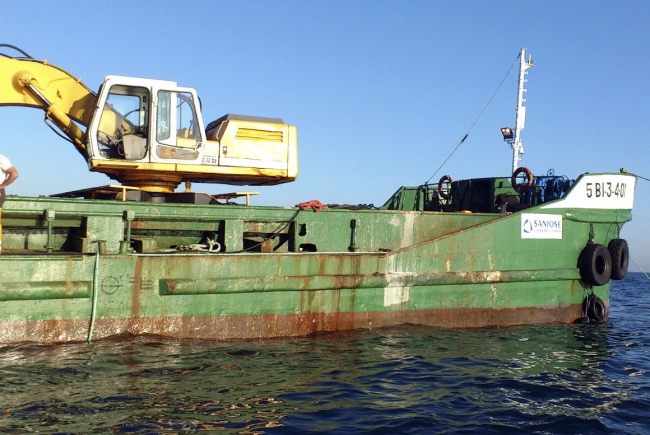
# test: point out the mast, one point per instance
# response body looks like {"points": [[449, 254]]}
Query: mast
{"points": [[514, 138]]}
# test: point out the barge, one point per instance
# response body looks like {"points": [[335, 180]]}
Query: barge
{"points": [[140, 258]]}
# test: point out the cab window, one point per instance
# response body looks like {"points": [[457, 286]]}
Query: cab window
{"points": [[125, 113], [176, 120]]}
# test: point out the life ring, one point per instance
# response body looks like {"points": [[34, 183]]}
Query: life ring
{"points": [[521, 188], [442, 193], [595, 264], [620, 254], [594, 308]]}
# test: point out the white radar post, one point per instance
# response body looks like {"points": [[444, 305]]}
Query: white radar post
{"points": [[514, 138]]}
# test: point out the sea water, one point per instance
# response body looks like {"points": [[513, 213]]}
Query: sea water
{"points": [[589, 379]]}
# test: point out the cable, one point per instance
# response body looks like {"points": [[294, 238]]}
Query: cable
{"points": [[17, 49], [479, 117], [57, 132]]}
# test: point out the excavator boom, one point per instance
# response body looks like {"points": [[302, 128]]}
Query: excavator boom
{"points": [[55, 84], [65, 100]]}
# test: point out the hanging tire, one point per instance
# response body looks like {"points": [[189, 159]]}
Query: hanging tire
{"points": [[620, 254], [594, 308], [595, 264]]}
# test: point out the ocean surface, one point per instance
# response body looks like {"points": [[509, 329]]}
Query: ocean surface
{"points": [[587, 379]]}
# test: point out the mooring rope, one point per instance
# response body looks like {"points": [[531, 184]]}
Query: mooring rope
{"points": [[637, 265]]}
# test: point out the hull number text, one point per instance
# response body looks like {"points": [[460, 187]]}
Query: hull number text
{"points": [[605, 190]]}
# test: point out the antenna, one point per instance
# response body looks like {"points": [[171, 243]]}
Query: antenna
{"points": [[514, 138]]}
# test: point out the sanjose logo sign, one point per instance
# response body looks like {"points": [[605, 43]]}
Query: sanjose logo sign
{"points": [[541, 226]]}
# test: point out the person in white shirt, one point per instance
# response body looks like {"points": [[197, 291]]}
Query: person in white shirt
{"points": [[8, 175]]}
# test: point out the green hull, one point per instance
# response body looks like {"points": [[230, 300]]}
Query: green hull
{"points": [[282, 272]]}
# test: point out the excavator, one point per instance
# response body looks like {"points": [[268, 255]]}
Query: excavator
{"points": [[149, 134]]}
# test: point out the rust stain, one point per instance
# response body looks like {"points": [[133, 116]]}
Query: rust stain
{"points": [[267, 246], [69, 289], [336, 305], [135, 295], [276, 325], [310, 319], [137, 224], [321, 265]]}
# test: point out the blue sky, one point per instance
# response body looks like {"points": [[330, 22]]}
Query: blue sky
{"points": [[381, 91]]}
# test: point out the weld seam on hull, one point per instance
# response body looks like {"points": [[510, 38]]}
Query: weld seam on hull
{"points": [[175, 287]]}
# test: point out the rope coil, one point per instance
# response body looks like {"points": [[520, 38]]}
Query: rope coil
{"points": [[314, 204]]}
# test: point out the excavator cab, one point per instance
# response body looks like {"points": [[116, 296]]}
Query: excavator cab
{"points": [[124, 129], [149, 134]]}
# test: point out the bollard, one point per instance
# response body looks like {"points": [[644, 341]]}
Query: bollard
{"points": [[124, 246], [101, 246]]}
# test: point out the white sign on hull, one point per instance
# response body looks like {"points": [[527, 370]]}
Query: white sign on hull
{"points": [[604, 191], [541, 226]]}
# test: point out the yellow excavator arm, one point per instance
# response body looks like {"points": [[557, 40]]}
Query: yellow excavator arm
{"points": [[149, 133], [33, 83]]}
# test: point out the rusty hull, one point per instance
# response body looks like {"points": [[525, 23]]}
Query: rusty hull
{"points": [[255, 296], [282, 272], [227, 327]]}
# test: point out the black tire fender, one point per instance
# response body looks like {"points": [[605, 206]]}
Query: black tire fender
{"points": [[620, 253], [595, 264], [595, 308]]}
